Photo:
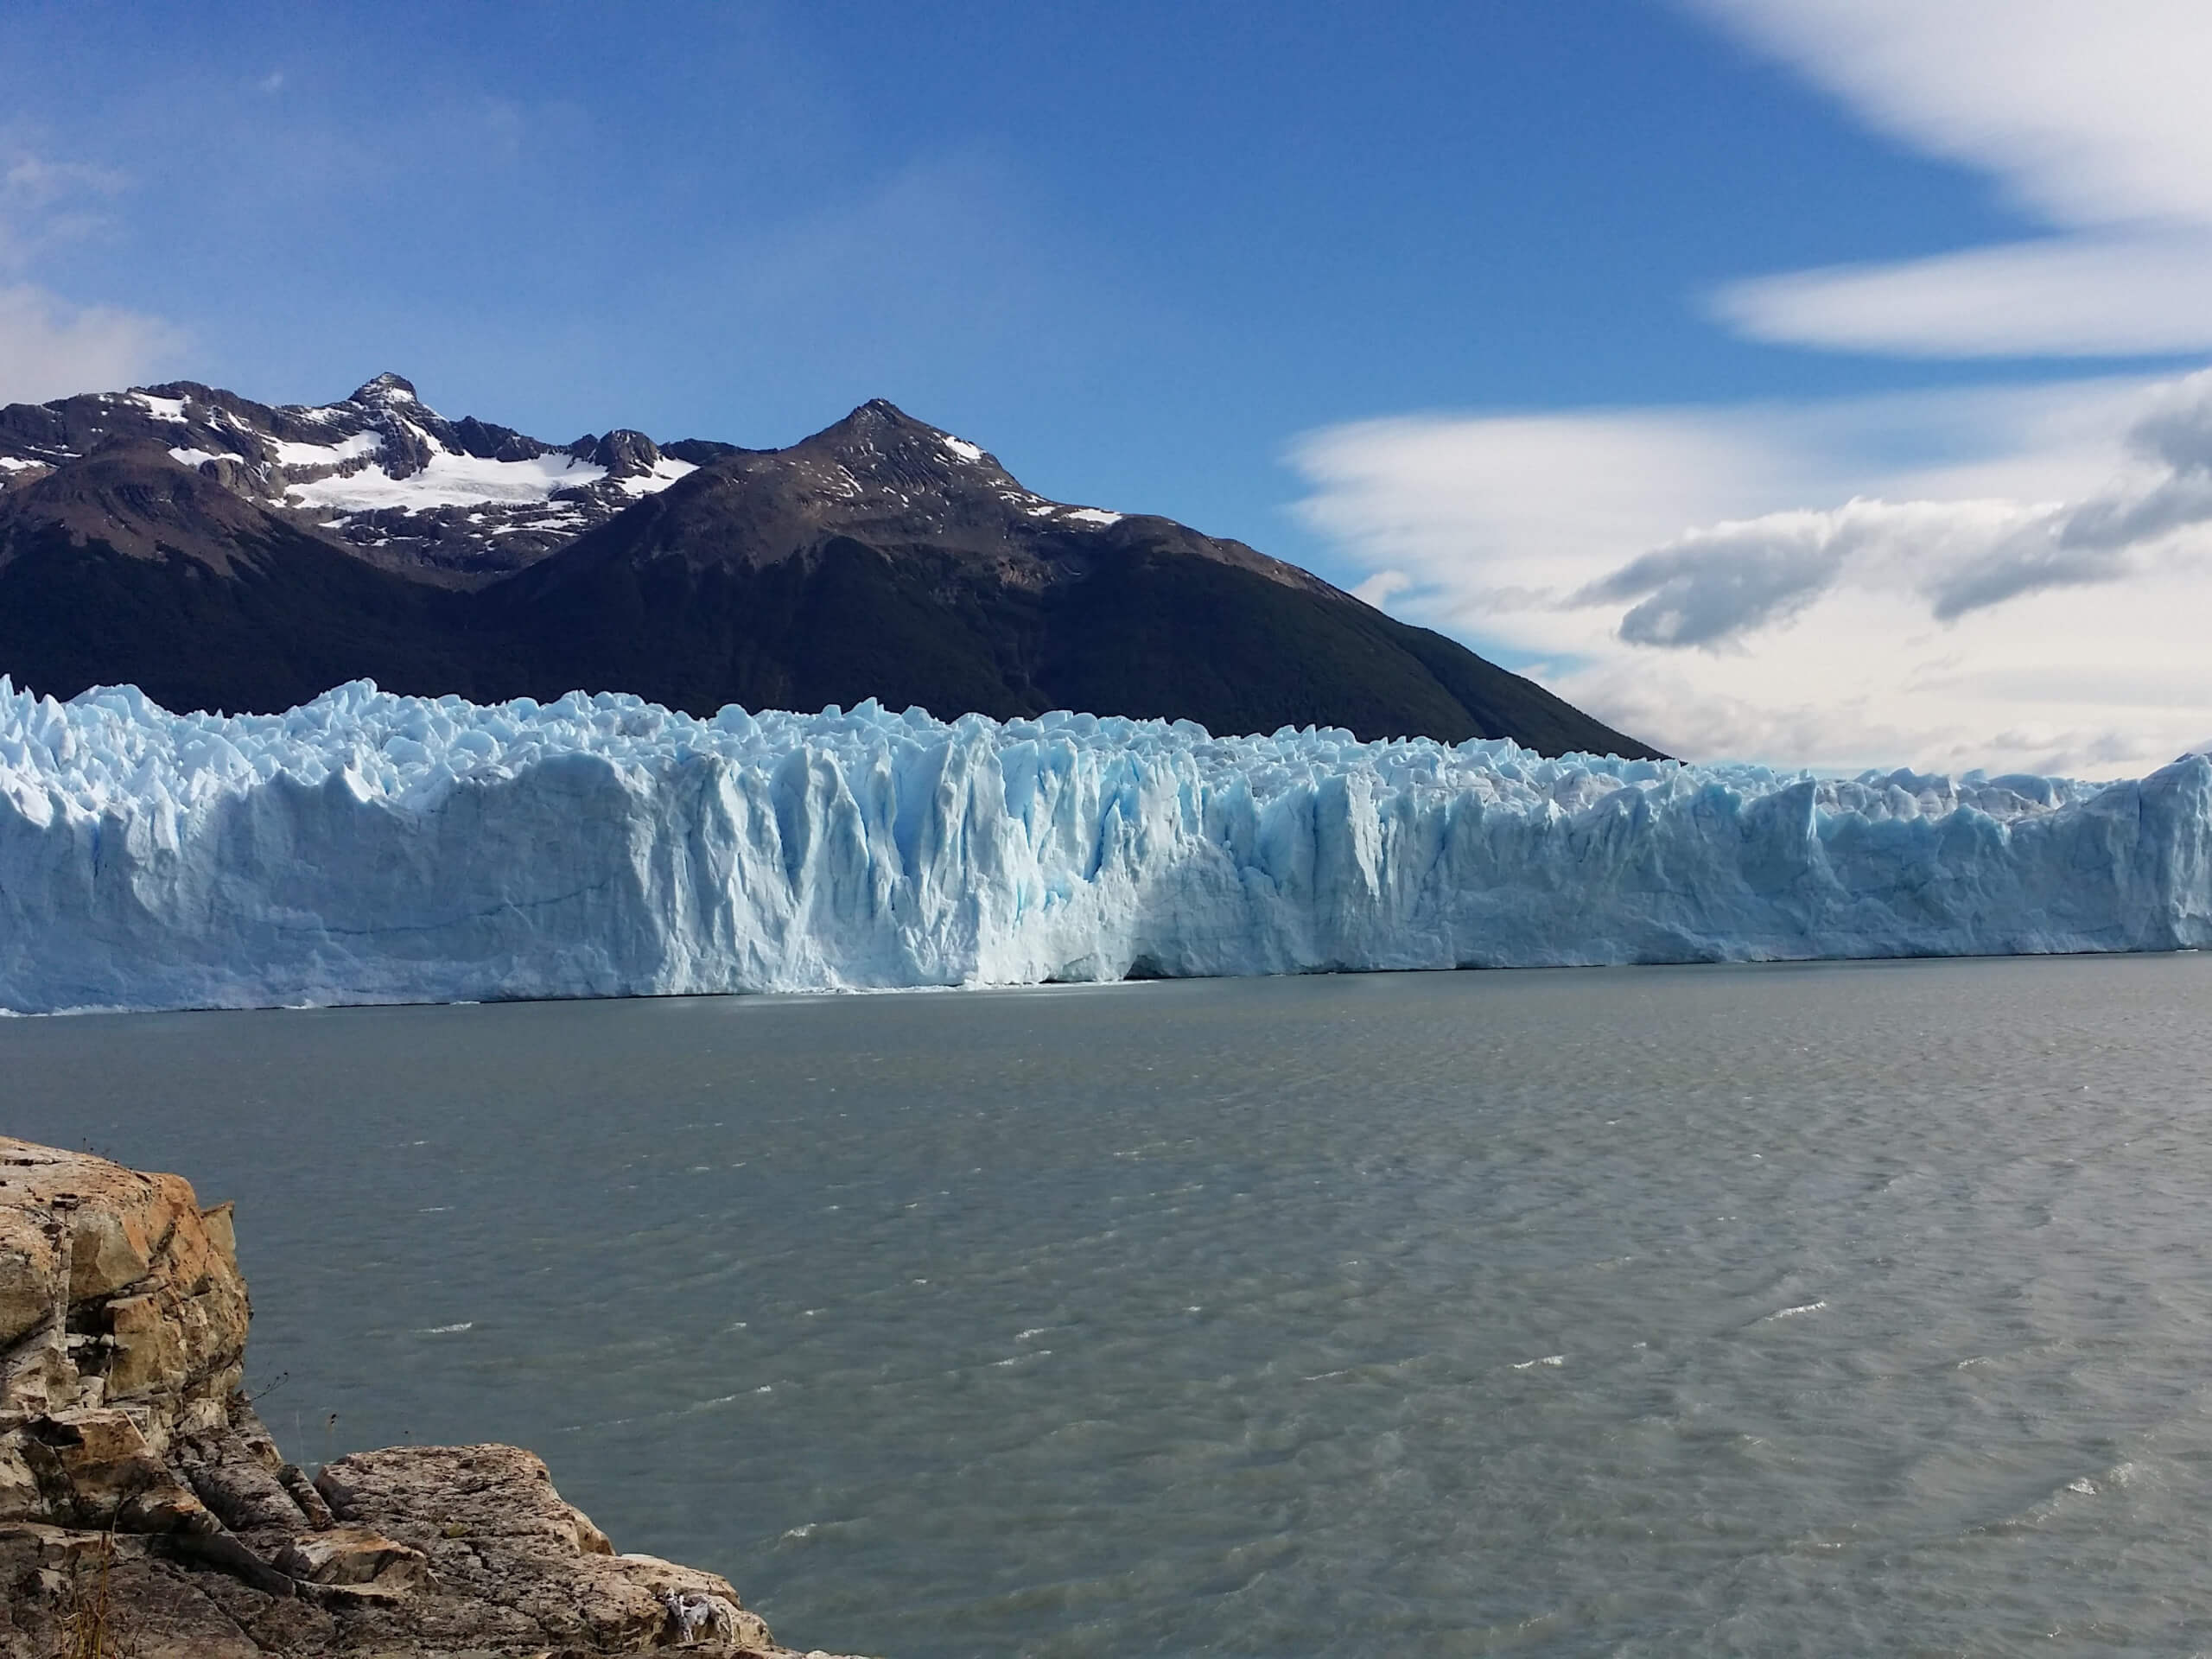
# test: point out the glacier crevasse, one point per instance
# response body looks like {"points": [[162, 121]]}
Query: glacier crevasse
{"points": [[370, 848]]}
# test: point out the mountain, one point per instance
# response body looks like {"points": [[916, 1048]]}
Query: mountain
{"points": [[457, 503], [221, 553], [125, 567]]}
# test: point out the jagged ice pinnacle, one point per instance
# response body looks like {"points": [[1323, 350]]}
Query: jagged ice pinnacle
{"points": [[369, 848]]}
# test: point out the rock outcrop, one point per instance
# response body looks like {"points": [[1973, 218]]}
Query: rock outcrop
{"points": [[145, 1509]]}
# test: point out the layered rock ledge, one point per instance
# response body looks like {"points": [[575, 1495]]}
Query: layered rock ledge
{"points": [[145, 1510]]}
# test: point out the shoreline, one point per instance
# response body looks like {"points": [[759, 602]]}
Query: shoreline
{"points": [[145, 1507], [1087, 986]]}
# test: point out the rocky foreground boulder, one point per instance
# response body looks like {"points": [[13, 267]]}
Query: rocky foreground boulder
{"points": [[145, 1511]]}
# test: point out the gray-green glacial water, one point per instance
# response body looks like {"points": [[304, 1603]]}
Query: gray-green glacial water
{"points": [[1820, 1309]]}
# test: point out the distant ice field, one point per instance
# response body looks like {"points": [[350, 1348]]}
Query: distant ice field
{"points": [[368, 848]]}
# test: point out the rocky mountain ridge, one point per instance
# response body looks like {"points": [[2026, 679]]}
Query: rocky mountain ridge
{"points": [[380, 472], [228, 554]]}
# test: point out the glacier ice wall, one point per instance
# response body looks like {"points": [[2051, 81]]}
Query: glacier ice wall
{"points": [[370, 848]]}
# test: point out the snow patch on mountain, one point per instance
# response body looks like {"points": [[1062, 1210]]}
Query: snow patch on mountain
{"points": [[370, 848], [448, 479], [162, 408], [291, 453], [1038, 507], [666, 472]]}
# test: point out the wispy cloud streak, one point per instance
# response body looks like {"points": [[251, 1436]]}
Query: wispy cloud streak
{"points": [[2092, 118]]}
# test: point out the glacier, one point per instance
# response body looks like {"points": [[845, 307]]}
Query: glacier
{"points": [[369, 848]]}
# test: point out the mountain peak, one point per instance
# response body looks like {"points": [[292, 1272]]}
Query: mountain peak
{"points": [[386, 388], [877, 416], [880, 434]]}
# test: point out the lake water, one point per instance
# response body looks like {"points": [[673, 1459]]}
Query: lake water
{"points": [[1819, 1309]]}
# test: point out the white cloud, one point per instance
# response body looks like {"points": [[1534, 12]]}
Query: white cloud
{"points": [[2078, 297], [2093, 117], [2033, 598], [2091, 114], [45, 204], [1710, 587], [2010, 577], [50, 349], [1379, 587]]}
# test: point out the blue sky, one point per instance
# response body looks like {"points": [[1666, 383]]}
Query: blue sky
{"points": [[1470, 306]]}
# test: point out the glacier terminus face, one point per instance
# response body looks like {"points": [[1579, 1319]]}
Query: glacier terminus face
{"points": [[367, 848]]}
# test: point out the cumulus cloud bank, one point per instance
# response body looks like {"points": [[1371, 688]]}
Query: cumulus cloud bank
{"points": [[2035, 600], [1711, 586]]}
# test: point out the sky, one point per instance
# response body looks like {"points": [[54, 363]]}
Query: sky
{"points": [[1818, 382]]}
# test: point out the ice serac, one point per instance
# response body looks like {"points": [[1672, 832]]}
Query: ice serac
{"points": [[369, 848]]}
